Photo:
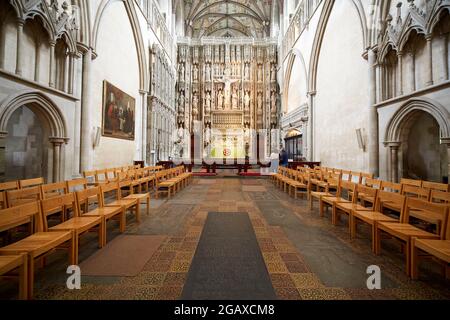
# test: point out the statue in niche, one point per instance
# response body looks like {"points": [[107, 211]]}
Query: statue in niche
{"points": [[274, 103], [195, 105], [260, 101], [208, 72], [181, 103], [274, 73], [182, 71], [247, 72], [208, 134], [260, 73], [208, 102], [234, 100], [220, 100], [195, 72], [247, 101]]}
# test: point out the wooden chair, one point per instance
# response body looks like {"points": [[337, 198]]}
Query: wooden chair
{"points": [[440, 197], [78, 224], [346, 175], [439, 249], [436, 186], [78, 185], [297, 185], [119, 202], [326, 192], [22, 196], [6, 186], [28, 183], [101, 177], [106, 213], [90, 177], [391, 186], [404, 231], [330, 201], [10, 263], [411, 182], [371, 183], [416, 192], [349, 207], [377, 214], [39, 243], [111, 174], [53, 190]]}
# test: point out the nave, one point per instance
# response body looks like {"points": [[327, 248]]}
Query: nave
{"points": [[305, 256]]}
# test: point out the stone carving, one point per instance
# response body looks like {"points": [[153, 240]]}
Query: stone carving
{"points": [[181, 72], [234, 98], [181, 103], [260, 73], [195, 72], [274, 73], [247, 101], [208, 72], [227, 81], [208, 102], [195, 105], [220, 100], [247, 72]]}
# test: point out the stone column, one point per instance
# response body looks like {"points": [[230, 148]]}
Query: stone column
{"points": [[71, 76], [310, 134], [445, 56], [144, 125], [19, 52], [429, 60], [446, 141], [400, 73], [37, 62], [413, 71], [373, 115], [57, 143], [86, 132], [393, 160], [51, 76]]}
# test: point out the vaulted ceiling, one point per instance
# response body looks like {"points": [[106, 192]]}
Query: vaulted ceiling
{"points": [[228, 18]]}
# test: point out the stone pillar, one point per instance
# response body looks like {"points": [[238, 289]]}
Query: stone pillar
{"points": [[429, 60], [144, 125], [413, 71], [393, 160], [51, 76], [19, 52], [445, 56], [71, 76], [310, 134], [373, 115], [400, 73], [446, 141], [37, 62], [86, 132], [57, 143]]}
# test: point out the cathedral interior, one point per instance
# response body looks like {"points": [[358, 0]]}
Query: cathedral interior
{"points": [[224, 150]]}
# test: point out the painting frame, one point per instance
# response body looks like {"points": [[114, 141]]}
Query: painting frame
{"points": [[118, 113]]}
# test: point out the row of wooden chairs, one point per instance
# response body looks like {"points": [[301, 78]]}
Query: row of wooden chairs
{"points": [[366, 200], [172, 180], [15, 185], [43, 239], [96, 177]]}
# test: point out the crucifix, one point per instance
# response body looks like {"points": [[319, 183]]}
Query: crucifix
{"points": [[227, 81]]}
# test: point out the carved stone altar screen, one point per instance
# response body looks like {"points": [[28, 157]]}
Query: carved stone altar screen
{"points": [[226, 84]]}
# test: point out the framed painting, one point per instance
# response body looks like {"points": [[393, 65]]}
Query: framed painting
{"points": [[118, 120]]}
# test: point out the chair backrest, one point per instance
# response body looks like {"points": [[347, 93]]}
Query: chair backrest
{"points": [[440, 197], [28, 183], [391, 186], [5, 186], [411, 182], [383, 197], [51, 190], [345, 186], [82, 196], [416, 192], [436, 186], [356, 177], [110, 187], [16, 216], [111, 174], [367, 191], [447, 228], [76, 184], [346, 175], [373, 183], [101, 176], [365, 176], [59, 203], [23, 196], [440, 211]]}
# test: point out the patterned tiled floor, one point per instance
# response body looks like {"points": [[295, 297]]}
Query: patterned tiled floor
{"points": [[307, 258]]}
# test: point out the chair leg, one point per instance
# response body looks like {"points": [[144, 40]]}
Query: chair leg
{"points": [[30, 277], [123, 221], [23, 279], [138, 212], [408, 257], [148, 205], [414, 260], [377, 240]]}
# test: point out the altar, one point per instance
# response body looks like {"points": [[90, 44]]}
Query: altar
{"points": [[229, 144]]}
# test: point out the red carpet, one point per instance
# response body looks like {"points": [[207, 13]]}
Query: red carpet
{"points": [[250, 174]]}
